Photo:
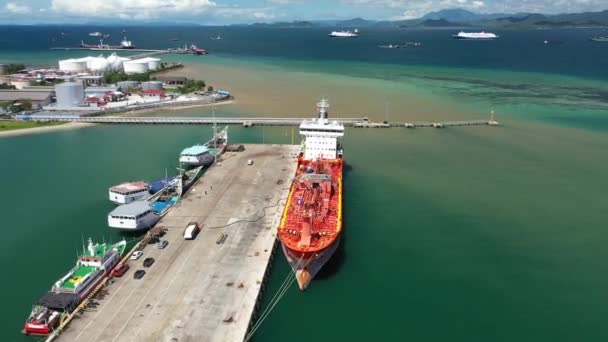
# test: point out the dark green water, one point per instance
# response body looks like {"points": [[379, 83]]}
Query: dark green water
{"points": [[461, 234]]}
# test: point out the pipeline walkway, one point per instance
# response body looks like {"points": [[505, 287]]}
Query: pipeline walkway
{"points": [[249, 122]]}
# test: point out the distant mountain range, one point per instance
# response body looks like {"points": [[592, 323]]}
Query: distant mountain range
{"points": [[458, 17]]}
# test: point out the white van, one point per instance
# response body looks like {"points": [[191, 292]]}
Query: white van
{"points": [[191, 231]]}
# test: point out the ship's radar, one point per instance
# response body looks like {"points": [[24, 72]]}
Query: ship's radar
{"points": [[322, 108]]}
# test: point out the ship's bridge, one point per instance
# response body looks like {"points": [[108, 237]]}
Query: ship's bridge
{"points": [[322, 138]]}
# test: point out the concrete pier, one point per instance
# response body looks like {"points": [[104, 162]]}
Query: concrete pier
{"points": [[202, 289]]}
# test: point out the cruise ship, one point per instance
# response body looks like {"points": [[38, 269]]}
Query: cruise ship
{"points": [[311, 223], [345, 34], [476, 35]]}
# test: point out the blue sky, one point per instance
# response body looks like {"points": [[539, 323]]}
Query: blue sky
{"points": [[243, 11]]}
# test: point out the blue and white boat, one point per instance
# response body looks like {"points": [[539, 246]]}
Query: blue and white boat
{"points": [[205, 154]]}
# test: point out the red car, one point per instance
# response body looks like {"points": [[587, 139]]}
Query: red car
{"points": [[120, 269]]}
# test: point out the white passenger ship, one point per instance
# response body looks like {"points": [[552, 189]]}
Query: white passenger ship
{"points": [[345, 34], [476, 35]]}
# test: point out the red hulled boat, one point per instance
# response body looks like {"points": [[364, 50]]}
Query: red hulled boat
{"points": [[312, 219]]}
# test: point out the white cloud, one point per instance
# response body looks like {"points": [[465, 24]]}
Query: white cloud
{"points": [[245, 13], [17, 9], [410, 9], [132, 9]]}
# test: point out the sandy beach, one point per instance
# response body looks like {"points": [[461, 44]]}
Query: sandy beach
{"points": [[45, 129]]}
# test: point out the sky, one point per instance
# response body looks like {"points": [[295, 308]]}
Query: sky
{"points": [[217, 12]]}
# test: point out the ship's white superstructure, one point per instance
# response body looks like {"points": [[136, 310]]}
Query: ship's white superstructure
{"points": [[345, 34], [128, 192], [322, 138], [475, 35], [137, 215]]}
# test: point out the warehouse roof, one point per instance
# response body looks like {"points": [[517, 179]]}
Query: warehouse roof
{"points": [[34, 95]]}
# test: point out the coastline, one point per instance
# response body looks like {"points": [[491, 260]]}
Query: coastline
{"points": [[46, 129]]}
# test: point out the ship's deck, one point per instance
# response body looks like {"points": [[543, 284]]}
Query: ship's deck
{"points": [[78, 275], [313, 217]]}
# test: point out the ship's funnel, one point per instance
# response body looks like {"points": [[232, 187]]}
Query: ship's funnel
{"points": [[322, 108]]}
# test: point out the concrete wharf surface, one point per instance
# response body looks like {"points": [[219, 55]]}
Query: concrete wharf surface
{"points": [[199, 290]]}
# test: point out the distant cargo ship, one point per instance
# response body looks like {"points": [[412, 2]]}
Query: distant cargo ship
{"points": [[345, 34], [124, 44], [312, 219], [476, 35], [96, 261]]}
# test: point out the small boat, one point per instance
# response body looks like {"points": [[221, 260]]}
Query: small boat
{"points": [[206, 153], [389, 46], [345, 34], [174, 39], [218, 37], [95, 263], [106, 35], [599, 39], [96, 34], [553, 42]]}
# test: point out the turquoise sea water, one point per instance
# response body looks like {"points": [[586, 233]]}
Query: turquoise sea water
{"points": [[462, 234]]}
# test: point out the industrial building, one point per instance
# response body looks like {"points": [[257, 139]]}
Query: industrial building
{"points": [[172, 80], [37, 98]]}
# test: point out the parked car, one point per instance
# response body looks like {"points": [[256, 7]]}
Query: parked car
{"points": [[162, 244], [191, 231], [139, 274], [148, 262], [136, 255], [153, 240], [120, 269]]}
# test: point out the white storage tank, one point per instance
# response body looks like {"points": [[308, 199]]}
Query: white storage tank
{"points": [[153, 63], [73, 65], [152, 85], [135, 67], [98, 64], [69, 94]]}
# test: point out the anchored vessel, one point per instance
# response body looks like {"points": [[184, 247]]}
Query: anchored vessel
{"points": [[312, 220], [128, 192], [345, 34], [205, 154], [95, 263], [476, 35]]}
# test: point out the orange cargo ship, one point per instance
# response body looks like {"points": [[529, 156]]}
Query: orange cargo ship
{"points": [[312, 219]]}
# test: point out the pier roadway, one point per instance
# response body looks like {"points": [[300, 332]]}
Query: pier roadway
{"points": [[201, 290]]}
